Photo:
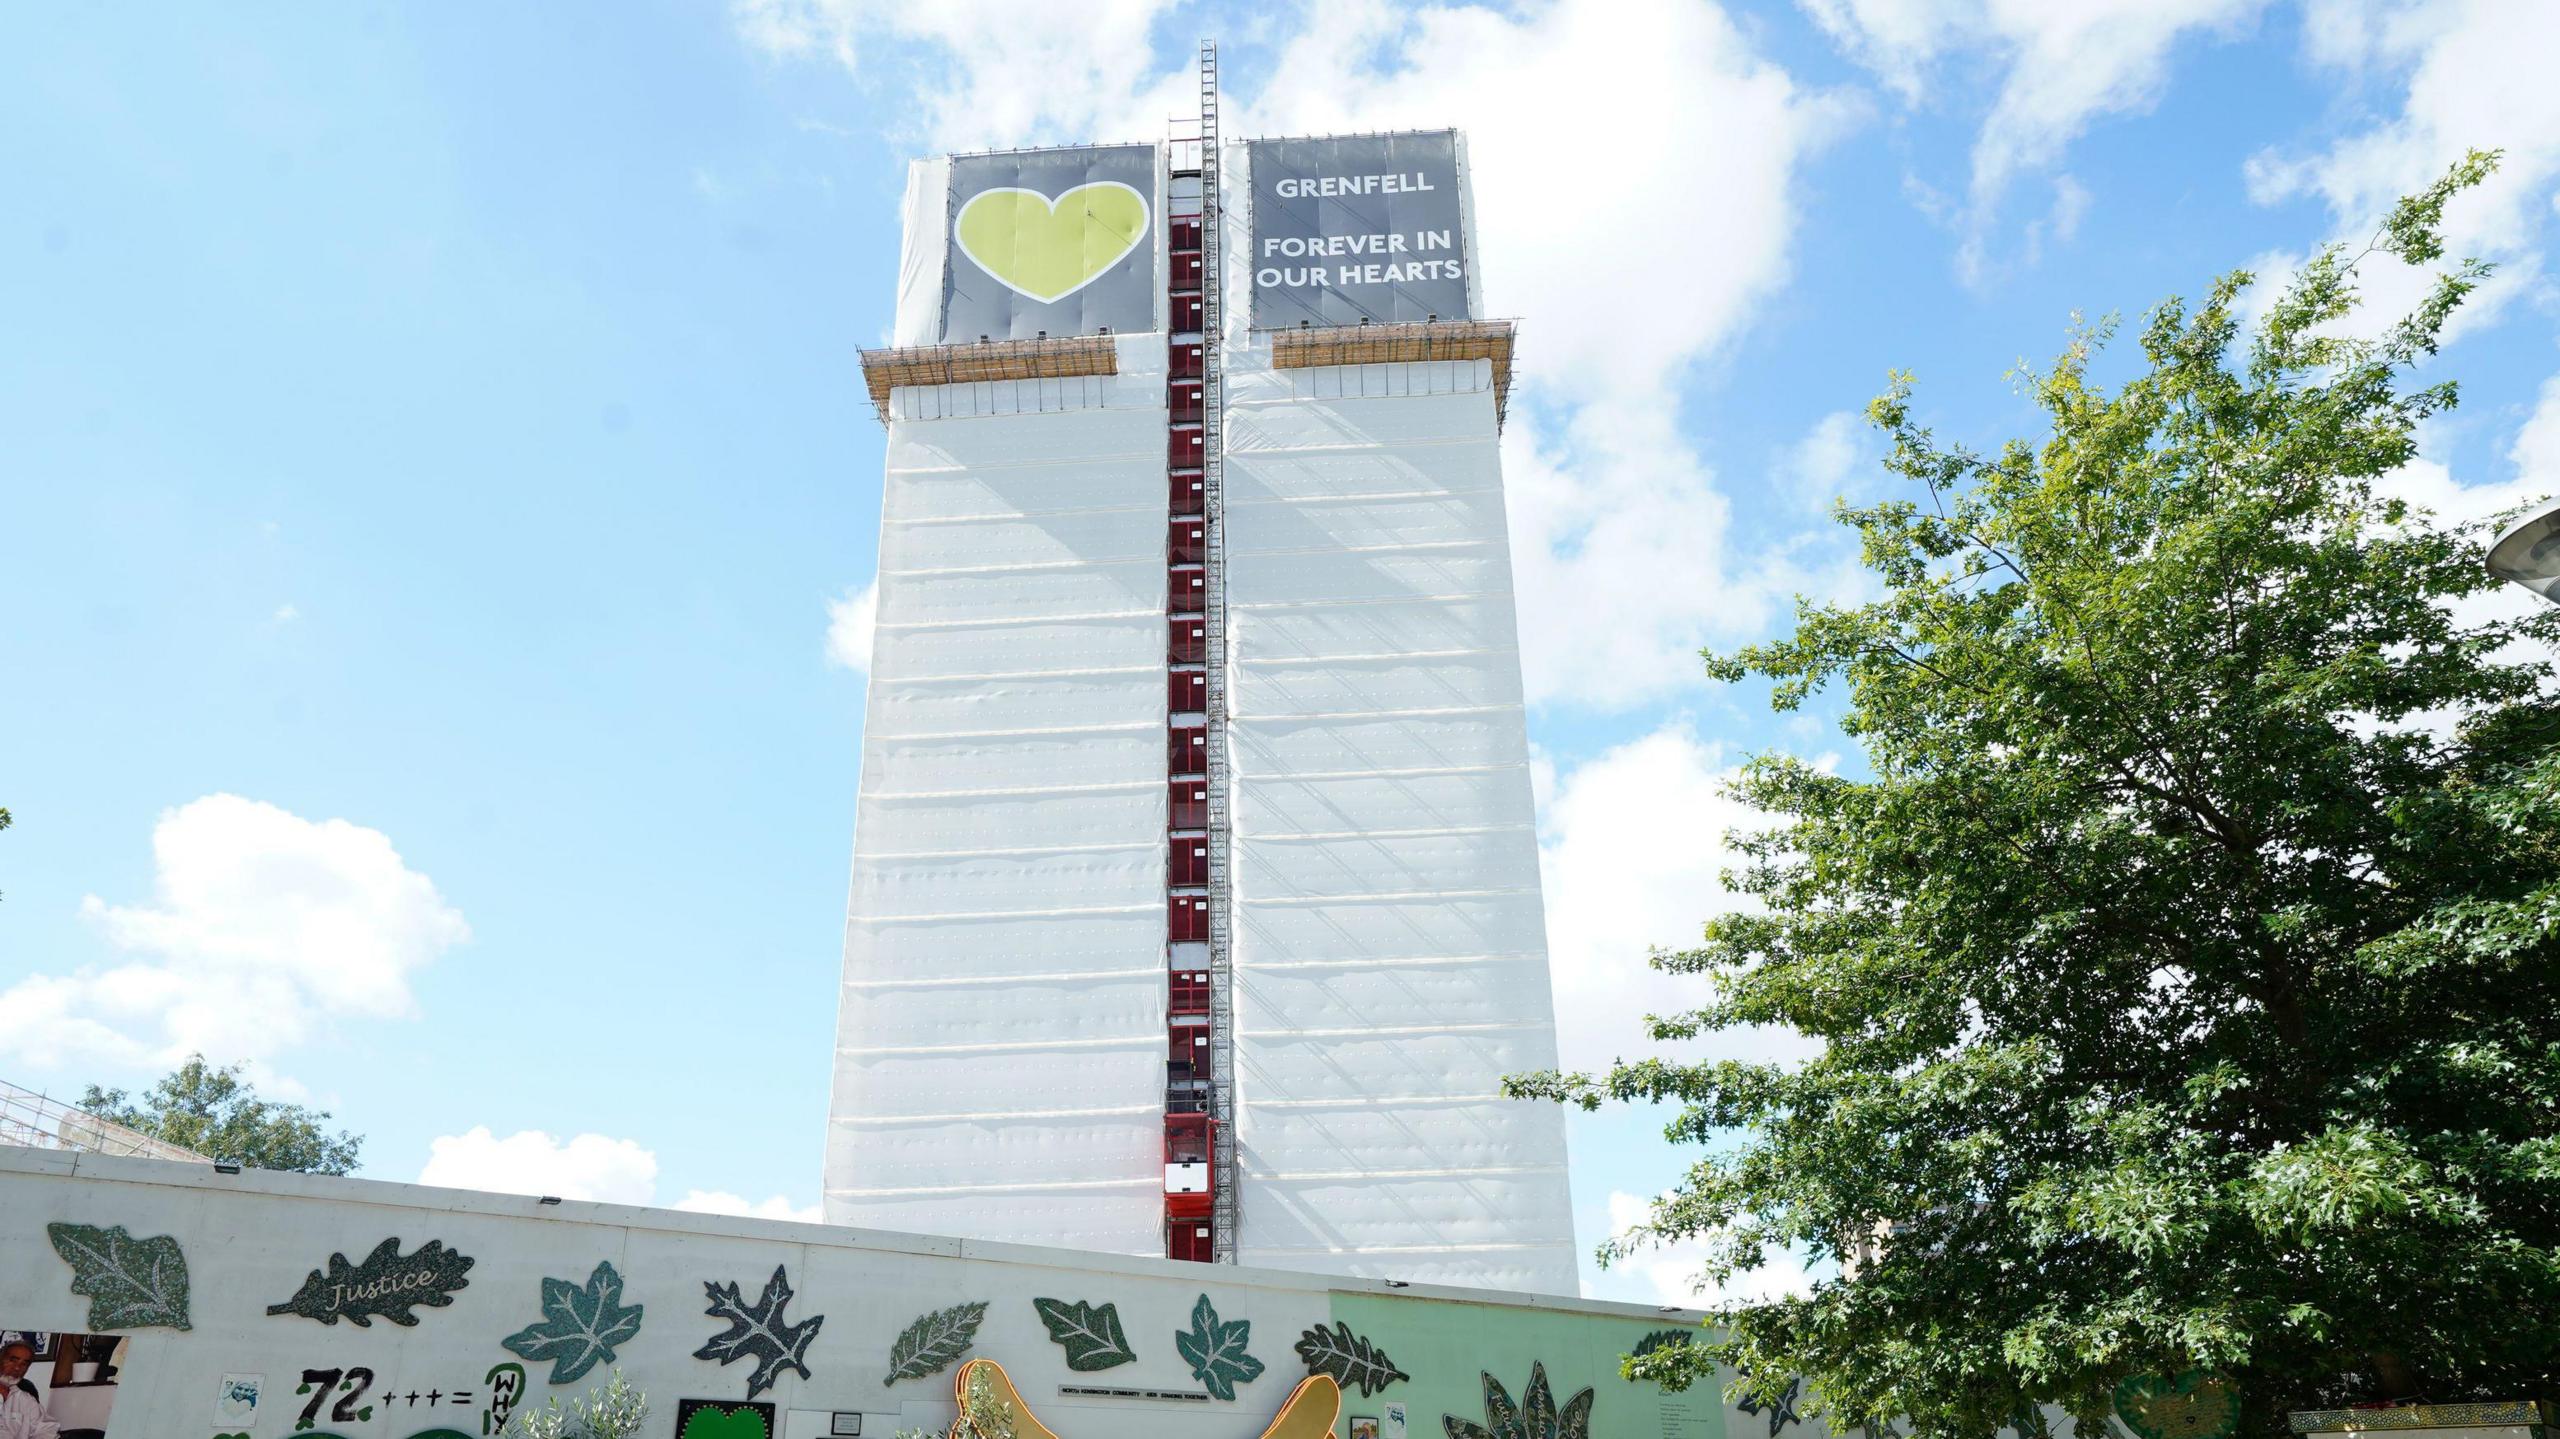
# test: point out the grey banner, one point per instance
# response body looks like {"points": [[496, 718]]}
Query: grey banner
{"points": [[1062, 241], [1357, 227]]}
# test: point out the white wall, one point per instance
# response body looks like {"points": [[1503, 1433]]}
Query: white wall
{"points": [[1000, 1047], [1391, 961], [249, 1239]]}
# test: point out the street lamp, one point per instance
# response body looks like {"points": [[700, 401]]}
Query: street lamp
{"points": [[2529, 554]]}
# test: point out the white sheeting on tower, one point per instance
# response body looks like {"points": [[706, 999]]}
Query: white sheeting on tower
{"points": [[1000, 1047], [1390, 951]]}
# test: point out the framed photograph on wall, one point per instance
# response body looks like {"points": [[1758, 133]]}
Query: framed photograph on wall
{"points": [[1364, 1426]]}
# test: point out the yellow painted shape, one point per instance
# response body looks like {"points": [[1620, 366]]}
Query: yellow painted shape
{"points": [[1050, 248], [1308, 1413]]}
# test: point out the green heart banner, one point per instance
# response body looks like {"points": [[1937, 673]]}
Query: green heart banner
{"points": [[1050, 242], [1047, 249]]}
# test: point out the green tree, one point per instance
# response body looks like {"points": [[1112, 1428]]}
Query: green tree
{"points": [[214, 1112], [2185, 973]]}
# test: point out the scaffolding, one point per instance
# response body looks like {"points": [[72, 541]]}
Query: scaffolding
{"points": [[36, 1121], [1224, 1228], [1308, 347], [1067, 357]]}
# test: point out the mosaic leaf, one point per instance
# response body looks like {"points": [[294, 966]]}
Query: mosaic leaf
{"points": [[382, 1286], [930, 1344], [131, 1283], [1536, 1417], [1215, 1351], [1781, 1410], [1575, 1421], [1090, 1334], [1349, 1358], [758, 1331], [580, 1327]]}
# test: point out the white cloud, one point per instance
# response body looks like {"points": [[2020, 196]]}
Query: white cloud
{"points": [[286, 614], [1618, 529], [991, 73], [1617, 523], [589, 1166], [1630, 850], [2476, 76], [1704, 138], [264, 931], [2061, 67], [721, 1201], [852, 620], [1669, 1274]]}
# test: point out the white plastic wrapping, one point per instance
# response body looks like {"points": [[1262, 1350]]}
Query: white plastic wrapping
{"points": [[1000, 1046], [1390, 946], [925, 215]]}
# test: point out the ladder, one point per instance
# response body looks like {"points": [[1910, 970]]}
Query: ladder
{"points": [[1222, 1008]]}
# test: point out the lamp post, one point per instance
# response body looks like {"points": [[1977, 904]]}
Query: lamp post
{"points": [[2529, 554]]}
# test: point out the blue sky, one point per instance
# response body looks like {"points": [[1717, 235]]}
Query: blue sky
{"points": [[433, 463]]}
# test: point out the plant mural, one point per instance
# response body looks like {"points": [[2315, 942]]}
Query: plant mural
{"points": [[1089, 1333], [130, 1283], [580, 1325], [1781, 1410], [992, 1408], [1535, 1417], [1347, 1357], [930, 1344], [758, 1331], [1215, 1350], [384, 1285]]}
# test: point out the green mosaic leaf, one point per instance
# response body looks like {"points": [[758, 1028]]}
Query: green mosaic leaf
{"points": [[1349, 1358], [1535, 1417], [1215, 1351], [1090, 1334], [131, 1283], [930, 1344], [1575, 1421], [580, 1327], [383, 1286], [758, 1331]]}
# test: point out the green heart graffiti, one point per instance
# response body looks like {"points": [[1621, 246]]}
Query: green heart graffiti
{"points": [[1047, 249], [715, 1423]]}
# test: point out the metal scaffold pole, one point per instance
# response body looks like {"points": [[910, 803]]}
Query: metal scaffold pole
{"points": [[1222, 1040]]}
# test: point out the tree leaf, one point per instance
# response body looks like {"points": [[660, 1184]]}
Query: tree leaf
{"points": [[758, 1331], [131, 1283], [580, 1327], [1090, 1334], [383, 1286], [1349, 1358], [1216, 1351], [930, 1344]]}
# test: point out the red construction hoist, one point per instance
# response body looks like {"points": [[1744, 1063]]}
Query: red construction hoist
{"points": [[1199, 1188]]}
